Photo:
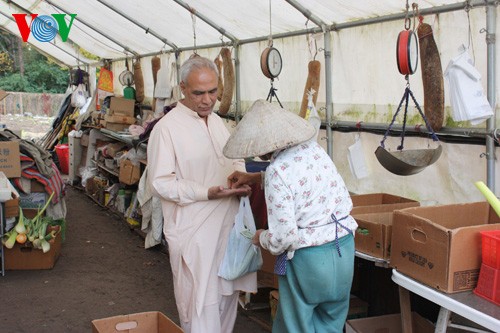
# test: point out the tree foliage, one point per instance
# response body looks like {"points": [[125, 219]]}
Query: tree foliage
{"points": [[27, 70]]}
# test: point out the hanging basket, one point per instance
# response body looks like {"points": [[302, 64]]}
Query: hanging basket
{"points": [[407, 162]]}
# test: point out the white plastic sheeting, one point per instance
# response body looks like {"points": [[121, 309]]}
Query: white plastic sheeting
{"points": [[103, 28]]}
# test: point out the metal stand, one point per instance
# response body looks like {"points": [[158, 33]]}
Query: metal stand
{"points": [[272, 93]]}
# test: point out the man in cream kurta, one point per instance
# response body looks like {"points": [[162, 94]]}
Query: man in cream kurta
{"points": [[188, 171]]}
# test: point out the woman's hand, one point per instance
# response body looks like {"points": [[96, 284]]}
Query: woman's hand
{"points": [[256, 237], [238, 178]]}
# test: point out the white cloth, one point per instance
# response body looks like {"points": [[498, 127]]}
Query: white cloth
{"points": [[302, 190], [184, 160], [152, 216], [467, 98], [226, 311]]}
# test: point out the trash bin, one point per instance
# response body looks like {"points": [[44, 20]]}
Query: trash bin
{"points": [[62, 151]]}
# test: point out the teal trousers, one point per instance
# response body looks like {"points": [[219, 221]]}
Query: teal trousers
{"points": [[314, 294]]}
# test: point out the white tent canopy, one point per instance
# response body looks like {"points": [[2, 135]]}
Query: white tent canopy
{"points": [[115, 29]]}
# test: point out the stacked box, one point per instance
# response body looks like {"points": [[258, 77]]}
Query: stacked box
{"points": [[440, 246]]}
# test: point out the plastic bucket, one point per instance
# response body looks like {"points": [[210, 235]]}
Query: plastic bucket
{"points": [[62, 151]]}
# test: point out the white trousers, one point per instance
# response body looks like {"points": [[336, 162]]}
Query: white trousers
{"points": [[215, 318]]}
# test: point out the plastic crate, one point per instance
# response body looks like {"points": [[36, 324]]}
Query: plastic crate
{"points": [[488, 285], [491, 248]]}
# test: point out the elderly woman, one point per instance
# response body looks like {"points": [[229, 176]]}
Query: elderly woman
{"points": [[308, 206]]}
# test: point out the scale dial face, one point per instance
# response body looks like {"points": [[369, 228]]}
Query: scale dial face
{"points": [[407, 52], [271, 62]]}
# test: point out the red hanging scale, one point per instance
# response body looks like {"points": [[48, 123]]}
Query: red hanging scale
{"points": [[407, 162]]}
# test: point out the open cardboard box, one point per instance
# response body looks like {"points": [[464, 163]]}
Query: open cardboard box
{"points": [[379, 202], [388, 324], [374, 234], [23, 257], [143, 322], [440, 246]]}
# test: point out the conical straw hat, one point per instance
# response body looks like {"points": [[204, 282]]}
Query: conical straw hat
{"points": [[265, 128]]}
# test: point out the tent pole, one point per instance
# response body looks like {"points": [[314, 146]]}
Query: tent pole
{"points": [[328, 88], [207, 20], [491, 84], [93, 28], [146, 29]]}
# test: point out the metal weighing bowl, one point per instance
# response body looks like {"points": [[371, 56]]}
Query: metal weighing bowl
{"points": [[407, 162]]}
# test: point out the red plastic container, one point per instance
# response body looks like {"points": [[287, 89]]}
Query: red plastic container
{"points": [[488, 285], [491, 248], [62, 151]]}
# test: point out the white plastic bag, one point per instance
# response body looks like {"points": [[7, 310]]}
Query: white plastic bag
{"points": [[312, 114], [79, 97], [356, 158], [241, 256]]}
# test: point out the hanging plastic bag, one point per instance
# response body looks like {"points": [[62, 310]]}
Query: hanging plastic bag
{"points": [[241, 256], [356, 159], [312, 115], [79, 96], [467, 97]]}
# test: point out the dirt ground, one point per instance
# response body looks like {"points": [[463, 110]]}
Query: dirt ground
{"points": [[103, 271]]}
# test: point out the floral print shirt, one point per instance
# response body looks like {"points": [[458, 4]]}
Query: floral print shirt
{"points": [[302, 190]]}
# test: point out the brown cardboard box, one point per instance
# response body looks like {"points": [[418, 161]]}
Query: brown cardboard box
{"points": [[129, 174], [22, 257], [374, 234], [388, 324], [115, 127], [10, 159], [266, 276], [121, 106], [357, 308], [143, 322], [117, 118], [440, 246], [379, 202], [12, 206]]}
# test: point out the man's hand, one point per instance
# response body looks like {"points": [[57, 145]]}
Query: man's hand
{"points": [[238, 178], [219, 192]]}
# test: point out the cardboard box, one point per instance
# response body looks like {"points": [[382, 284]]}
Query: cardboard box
{"points": [[143, 322], [117, 118], [440, 246], [357, 308], [379, 202], [12, 206], [129, 174], [25, 257], [266, 276], [10, 159], [115, 127], [374, 234], [121, 106], [388, 324]]}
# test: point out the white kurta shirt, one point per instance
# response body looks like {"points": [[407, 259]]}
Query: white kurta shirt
{"points": [[302, 190], [184, 160]]}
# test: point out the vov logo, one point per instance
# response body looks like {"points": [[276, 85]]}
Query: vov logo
{"points": [[44, 28]]}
